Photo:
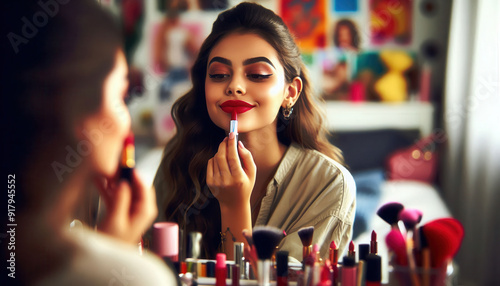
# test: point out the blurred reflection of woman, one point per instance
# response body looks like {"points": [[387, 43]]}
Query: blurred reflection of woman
{"points": [[67, 87]]}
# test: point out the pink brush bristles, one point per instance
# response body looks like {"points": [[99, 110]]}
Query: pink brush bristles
{"points": [[397, 244], [410, 218]]}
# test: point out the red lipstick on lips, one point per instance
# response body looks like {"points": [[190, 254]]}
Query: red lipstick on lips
{"points": [[238, 106]]}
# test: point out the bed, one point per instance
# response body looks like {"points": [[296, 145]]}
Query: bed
{"points": [[368, 134]]}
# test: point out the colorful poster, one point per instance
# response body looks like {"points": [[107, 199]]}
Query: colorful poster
{"points": [[390, 21], [306, 19], [340, 6]]}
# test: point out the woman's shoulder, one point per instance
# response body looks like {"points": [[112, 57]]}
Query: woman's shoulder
{"points": [[314, 157], [100, 259], [314, 164], [321, 182]]}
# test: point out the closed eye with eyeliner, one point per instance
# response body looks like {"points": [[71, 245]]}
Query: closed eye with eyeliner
{"points": [[255, 69]]}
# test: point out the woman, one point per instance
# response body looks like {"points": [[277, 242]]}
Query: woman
{"points": [[282, 172], [67, 84], [346, 36]]}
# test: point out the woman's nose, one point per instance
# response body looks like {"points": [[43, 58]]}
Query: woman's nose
{"points": [[235, 86]]}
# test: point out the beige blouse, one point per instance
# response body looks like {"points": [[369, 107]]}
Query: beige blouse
{"points": [[310, 189]]}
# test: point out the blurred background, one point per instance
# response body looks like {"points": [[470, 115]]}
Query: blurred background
{"points": [[343, 43], [390, 72]]}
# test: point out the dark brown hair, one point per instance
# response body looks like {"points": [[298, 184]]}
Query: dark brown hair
{"points": [[55, 77]]}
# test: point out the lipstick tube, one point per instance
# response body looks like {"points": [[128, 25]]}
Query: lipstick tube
{"points": [[373, 270], [127, 162], [220, 270], [282, 268], [348, 276], [373, 243], [233, 125]]}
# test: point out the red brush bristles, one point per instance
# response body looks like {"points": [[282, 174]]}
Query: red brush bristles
{"points": [[444, 237], [234, 115]]}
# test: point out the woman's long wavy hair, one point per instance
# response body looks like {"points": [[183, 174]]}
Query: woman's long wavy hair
{"points": [[183, 167]]}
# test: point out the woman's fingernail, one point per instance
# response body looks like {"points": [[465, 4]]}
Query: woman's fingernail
{"points": [[241, 144], [231, 135]]}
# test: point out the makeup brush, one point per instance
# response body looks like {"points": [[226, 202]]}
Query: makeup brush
{"points": [[397, 244], [389, 212], [444, 237], [410, 218], [425, 258], [306, 237], [265, 239], [308, 270]]}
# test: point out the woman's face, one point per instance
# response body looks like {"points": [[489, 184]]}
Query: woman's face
{"points": [[244, 74], [110, 125], [345, 37]]}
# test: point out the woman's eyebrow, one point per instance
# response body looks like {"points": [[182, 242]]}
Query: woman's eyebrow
{"points": [[220, 60], [256, 60]]}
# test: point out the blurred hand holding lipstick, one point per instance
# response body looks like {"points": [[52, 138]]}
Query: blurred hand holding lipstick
{"points": [[130, 206]]}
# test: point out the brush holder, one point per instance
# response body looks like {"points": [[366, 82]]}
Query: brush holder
{"points": [[403, 276]]}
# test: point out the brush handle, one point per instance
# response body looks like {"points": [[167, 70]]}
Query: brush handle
{"points": [[306, 251], [264, 272], [411, 260]]}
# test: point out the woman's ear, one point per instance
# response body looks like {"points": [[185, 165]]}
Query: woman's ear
{"points": [[293, 91]]}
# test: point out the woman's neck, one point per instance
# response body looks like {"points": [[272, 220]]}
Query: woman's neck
{"points": [[267, 153], [265, 147], [53, 203]]}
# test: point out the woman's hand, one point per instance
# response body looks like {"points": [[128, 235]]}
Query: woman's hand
{"points": [[130, 208], [230, 180]]}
